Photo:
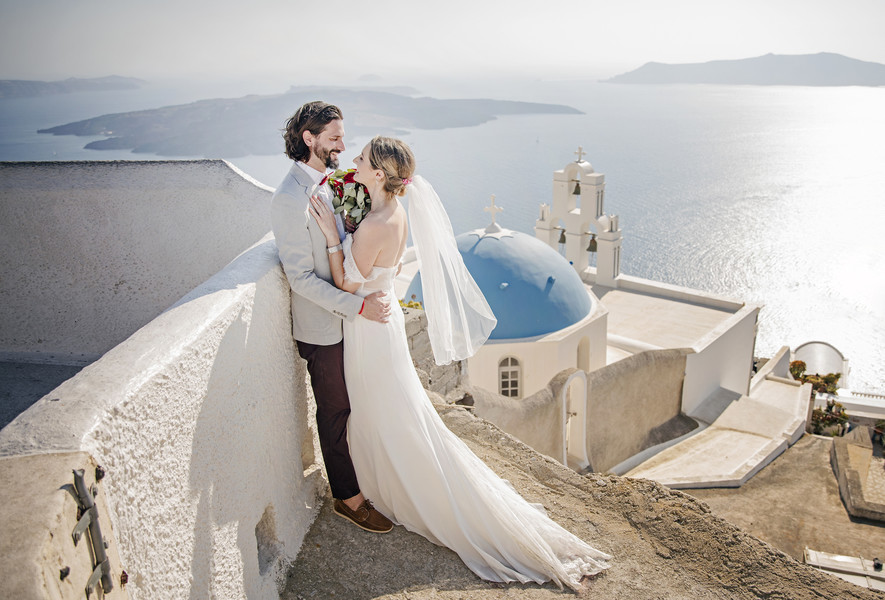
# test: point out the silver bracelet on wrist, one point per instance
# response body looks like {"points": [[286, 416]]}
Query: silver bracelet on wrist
{"points": [[333, 249]]}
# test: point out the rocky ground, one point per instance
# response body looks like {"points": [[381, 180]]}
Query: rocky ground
{"points": [[666, 544]]}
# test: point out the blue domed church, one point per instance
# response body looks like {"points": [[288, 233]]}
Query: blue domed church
{"points": [[548, 320]]}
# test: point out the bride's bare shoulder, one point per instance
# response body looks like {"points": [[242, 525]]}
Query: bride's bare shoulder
{"points": [[374, 229], [389, 220]]}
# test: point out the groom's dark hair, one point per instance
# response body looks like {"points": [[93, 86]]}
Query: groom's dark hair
{"points": [[313, 117]]}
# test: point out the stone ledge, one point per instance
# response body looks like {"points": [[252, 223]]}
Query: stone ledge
{"points": [[851, 486], [442, 379]]}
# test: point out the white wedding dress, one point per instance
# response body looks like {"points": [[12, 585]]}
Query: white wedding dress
{"points": [[422, 476]]}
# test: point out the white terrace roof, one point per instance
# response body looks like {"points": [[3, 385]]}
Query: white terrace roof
{"points": [[659, 321]]}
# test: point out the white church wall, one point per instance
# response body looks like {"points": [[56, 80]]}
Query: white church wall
{"points": [[724, 359], [597, 333], [200, 419], [93, 250], [542, 358], [534, 361]]}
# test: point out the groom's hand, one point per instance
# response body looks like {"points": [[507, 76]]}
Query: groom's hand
{"points": [[376, 308]]}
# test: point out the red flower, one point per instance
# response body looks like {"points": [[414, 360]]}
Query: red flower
{"points": [[349, 198]]}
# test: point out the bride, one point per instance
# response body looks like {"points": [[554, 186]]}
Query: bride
{"points": [[416, 471]]}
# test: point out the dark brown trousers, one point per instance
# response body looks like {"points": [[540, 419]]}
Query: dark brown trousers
{"points": [[326, 367]]}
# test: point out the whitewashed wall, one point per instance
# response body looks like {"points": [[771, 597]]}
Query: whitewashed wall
{"points": [[724, 359], [92, 250], [201, 420], [543, 357], [198, 408], [536, 420]]}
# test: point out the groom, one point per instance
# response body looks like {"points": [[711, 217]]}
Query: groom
{"points": [[314, 138]]}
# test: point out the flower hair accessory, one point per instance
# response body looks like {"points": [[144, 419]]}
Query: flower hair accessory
{"points": [[407, 181]]}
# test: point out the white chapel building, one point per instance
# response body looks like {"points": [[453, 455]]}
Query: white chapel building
{"points": [[602, 370]]}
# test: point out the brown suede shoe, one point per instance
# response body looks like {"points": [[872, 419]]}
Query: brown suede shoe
{"points": [[365, 517]]}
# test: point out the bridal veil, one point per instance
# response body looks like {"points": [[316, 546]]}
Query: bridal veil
{"points": [[459, 319]]}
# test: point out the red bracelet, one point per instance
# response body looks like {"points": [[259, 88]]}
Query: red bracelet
{"points": [[362, 307]]}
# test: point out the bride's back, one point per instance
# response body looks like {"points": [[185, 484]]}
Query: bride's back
{"points": [[394, 227]]}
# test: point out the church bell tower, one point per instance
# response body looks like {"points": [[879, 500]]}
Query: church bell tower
{"points": [[576, 224]]}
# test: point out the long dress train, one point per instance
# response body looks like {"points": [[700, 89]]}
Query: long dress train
{"points": [[422, 476]]}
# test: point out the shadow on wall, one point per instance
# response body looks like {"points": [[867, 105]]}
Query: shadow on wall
{"points": [[630, 404], [242, 438], [536, 421]]}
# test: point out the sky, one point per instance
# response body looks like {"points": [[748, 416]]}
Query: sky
{"points": [[403, 40]]}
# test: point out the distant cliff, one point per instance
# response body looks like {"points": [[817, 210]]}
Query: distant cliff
{"points": [[233, 127], [824, 69], [21, 88]]}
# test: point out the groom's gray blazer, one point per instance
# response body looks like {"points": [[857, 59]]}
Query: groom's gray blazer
{"points": [[317, 305]]}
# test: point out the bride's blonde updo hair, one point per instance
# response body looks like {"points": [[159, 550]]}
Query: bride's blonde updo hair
{"points": [[395, 159]]}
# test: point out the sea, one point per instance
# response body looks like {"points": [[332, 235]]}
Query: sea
{"points": [[773, 195]]}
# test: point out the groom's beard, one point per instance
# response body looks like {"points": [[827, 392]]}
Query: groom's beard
{"points": [[329, 159]]}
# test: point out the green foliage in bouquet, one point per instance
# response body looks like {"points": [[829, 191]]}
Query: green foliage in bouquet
{"points": [[349, 198]]}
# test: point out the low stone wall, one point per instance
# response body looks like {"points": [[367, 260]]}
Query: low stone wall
{"points": [[630, 404], [629, 399], [93, 250], [442, 379], [201, 422], [850, 458], [536, 421]]}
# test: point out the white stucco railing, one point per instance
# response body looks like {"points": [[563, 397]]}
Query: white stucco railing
{"points": [[200, 419], [636, 284]]}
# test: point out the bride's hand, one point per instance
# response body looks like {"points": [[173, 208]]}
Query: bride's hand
{"points": [[326, 220]]}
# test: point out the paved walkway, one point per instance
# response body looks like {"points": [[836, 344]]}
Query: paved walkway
{"points": [[874, 486], [744, 436]]}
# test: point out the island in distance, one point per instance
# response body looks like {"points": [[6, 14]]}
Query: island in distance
{"points": [[824, 69], [251, 125], [22, 88]]}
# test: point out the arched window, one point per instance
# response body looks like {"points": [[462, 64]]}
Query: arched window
{"points": [[509, 377]]}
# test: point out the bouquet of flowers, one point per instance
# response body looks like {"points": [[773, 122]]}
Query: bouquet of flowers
{"points": [[349, 197]]}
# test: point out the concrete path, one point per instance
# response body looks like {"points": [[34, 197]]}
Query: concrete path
{"points": [[22, 384], [874, 486], [745, 435]]}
